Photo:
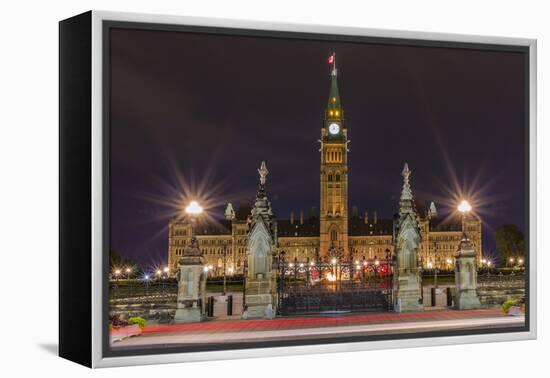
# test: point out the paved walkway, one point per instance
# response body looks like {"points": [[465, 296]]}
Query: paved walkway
{"points": [[321, 321], [317, 326]]}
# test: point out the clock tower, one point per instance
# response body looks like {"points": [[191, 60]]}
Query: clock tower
{"points": [[334, 174]]}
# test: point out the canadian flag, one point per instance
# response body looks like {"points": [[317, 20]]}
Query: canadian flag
{"points": [[331, 59]]}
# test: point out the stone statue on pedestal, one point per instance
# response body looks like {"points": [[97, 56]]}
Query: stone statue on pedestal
{"points": [[408, 282], [261, 288], [466, 275], [191, 304]]}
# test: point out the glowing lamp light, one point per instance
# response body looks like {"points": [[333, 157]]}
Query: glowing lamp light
{"points": [[146, 277], [312, 263], [333, 261], [489, 263], [128, 270], [290, 265], [193, 208], [430, 265], [464, 207], [166, 269], [159, 272], [511, 259], [331, 277], [377, 263], [520, 261], [449, 261], [117, 272], [301, 265], [205, 269]]}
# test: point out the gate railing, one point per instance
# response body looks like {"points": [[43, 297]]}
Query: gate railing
{"points": [[334, 284]]}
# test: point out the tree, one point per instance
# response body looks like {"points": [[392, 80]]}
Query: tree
{"points": [[510, 241], [117, 260]]}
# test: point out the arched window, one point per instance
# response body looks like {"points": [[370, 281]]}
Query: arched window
{"points": [[337, 177], [330, 177], [333, 235]]}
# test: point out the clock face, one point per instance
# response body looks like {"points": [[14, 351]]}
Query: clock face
{"points": [[334, 128]]}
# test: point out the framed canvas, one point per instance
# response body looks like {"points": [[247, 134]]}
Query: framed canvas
{"points": [[233, 189]]}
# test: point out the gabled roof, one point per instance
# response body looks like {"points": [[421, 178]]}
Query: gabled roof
{"points": [[358, 227], [310, 227], [216, 227]]}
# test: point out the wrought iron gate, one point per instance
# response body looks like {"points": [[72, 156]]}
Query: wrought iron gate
{"points": [[308, 287]]}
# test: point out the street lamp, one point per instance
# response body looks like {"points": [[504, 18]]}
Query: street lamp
{"points": [[128, 271], [464, 207], [117, 273], [193, 210]]}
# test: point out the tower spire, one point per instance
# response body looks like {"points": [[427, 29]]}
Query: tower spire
{"points": [[406, 205], [334, 104]]}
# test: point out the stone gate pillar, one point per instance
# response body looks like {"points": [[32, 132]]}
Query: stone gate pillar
{"points": [[191, 306], [261, 283], [408, 282], [466, 276]]}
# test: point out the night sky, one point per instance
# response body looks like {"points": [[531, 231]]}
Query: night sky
{"points": [[198, 112]]}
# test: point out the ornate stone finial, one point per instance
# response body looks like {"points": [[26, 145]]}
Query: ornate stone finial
{"points": [[406, 172], [432, 213], [406, 193], [263, 173], [229, 212]]}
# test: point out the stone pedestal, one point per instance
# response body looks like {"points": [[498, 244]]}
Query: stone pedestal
{"points": [[261, 296], [408, 293], [466, 277], [191, 303]]}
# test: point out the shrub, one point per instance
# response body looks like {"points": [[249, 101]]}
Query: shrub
{"points": [[139, 321], [509, 303]]}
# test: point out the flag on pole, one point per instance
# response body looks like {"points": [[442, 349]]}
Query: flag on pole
{"points": [[331, 59]]}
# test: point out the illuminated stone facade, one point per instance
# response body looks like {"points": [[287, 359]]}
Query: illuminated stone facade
{"points": [[312, 236]]}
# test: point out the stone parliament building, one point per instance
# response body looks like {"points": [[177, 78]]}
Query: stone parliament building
{"points": [[358, 236]]}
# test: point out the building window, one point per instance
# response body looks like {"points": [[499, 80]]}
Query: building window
{"points": [[330, 177], [333, 235]]}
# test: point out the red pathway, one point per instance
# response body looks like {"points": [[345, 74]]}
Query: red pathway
{"points": [[320, 321]]}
